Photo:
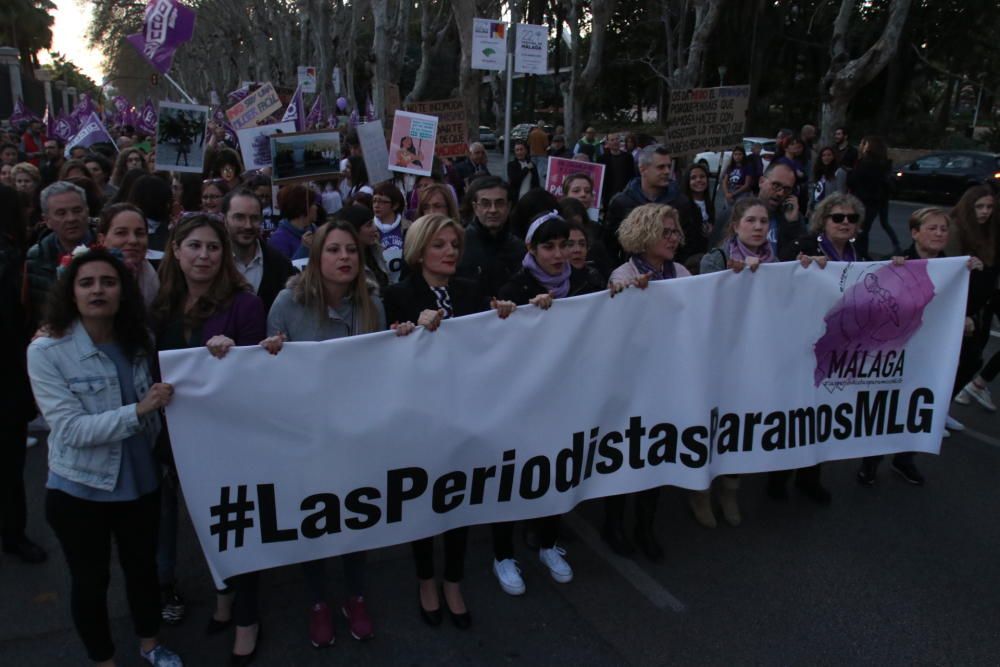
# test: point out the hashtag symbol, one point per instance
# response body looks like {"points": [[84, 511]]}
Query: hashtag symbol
{"points": [[232, 517]]}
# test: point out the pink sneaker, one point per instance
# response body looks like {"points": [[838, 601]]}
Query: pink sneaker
{"points": [[321, 626], [357, 618]]}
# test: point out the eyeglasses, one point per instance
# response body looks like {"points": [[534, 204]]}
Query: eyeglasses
{"points": [[491, 203], [212, 181], [781, 187], [671, 233], [852, 218]]}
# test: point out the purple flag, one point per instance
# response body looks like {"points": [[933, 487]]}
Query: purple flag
{"points": [[294, 110], [166, 25], [63, 128], [91, 132], [145, 122], [21, 114], [315, 114]]}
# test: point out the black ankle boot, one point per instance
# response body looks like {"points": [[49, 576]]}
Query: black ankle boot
{"points": [[645, 539], [614, 536]]}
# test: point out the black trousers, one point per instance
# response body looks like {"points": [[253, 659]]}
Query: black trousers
{"points": [[85, 529], [645, 508], [547, 529], [13, 508], [455, 542], [901, 457]]}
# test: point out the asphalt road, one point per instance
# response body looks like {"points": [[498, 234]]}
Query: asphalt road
{"points": [[886, 575]]}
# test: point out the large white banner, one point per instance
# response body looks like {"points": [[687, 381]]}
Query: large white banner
{"points": [[364, 442]]}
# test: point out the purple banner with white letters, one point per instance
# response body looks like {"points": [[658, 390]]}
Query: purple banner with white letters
{"points": [[166, 26]]}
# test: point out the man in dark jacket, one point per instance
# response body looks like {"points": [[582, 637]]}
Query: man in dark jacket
{"points": [[619, 168], [653, 185], [492, 254], [777, 187], [266, 269], [64, 211]]}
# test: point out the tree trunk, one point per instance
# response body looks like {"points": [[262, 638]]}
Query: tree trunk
{"points": [[845, 77], [468, 78], [435, 23]]}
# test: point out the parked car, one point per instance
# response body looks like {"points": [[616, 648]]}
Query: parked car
{"points": [[519, 131], [710, 159], [487, 137], [945, 176]]}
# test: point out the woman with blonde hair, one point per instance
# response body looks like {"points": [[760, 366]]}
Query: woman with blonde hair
{"points": [[651, 235], [437, 198], [430, 294], [330, 299]]}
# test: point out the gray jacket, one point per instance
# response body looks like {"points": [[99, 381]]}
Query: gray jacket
{"points": [[76, 388], [299, 323]]}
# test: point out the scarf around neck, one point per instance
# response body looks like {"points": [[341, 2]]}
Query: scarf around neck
{"points": [[558, 286], [830, 251], [667, 272], [740, 252]]}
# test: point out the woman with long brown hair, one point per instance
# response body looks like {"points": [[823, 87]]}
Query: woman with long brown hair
{"points": [[330, 299], [204, 300], [869, 182]]}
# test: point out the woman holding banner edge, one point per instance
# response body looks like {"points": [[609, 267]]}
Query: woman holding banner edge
{"points": [[651, 234], [204, 300], [546, 275], [92, 379], [428, 295], [330, 299]]}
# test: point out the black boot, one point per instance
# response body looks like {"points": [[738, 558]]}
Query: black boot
{"points": [[613, 532], [645, 519]]}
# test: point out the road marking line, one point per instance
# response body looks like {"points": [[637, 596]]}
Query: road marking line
{"points": [[659, 596], [995, 333], [981, 437]]}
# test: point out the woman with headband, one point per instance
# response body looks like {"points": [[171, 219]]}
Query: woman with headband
{"points": [[546, 275]]}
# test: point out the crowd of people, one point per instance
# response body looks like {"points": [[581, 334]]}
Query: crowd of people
{"points": [[104, 262]]}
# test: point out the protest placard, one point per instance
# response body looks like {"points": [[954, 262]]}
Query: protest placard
{"points": [[559, 168], [254, 108], [411, 148], [706, 119], [304, 155], [489, 44], [180, 137], [255, 143], [452, 133], [371, 136]]}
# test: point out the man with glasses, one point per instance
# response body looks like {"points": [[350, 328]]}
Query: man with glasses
{"points": [[492, 254], [653, 185], [777, 189], [265, 269]]}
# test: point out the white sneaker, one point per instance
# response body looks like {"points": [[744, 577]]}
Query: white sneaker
{"points": [[509, 576], [953, 424], [981, 394], [963, 398], [558, 567], [32, 442]]}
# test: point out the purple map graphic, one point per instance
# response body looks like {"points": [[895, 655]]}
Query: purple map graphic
{"points": [[878, 313]]}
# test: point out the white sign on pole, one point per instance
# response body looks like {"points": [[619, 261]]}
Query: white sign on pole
{"points": [[860, 360], [531, 49], [335, 80], [489, 44], [307, 78]]}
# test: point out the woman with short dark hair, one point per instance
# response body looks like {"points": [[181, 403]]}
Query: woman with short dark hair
{"points": [[299, 210]]}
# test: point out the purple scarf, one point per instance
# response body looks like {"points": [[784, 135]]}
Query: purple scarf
{"points": [[669, 270], [558, 286], [739, 252], [831, 252]]}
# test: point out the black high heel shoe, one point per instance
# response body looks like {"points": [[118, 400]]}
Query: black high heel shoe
{"points": [[243, 660], [461, 621], [431, 617]]}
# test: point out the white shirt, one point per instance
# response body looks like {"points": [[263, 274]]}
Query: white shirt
{"points": [[254, 270]]}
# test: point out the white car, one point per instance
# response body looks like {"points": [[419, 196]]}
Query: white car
{"points": [[710, 160]]}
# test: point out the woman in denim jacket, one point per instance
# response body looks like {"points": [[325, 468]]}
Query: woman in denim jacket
{"points": [[91, 379]]}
